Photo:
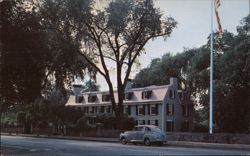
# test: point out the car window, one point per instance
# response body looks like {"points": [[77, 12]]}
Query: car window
{"points": [[140, 128], [157, 129], [135, 129], [147, 129]]}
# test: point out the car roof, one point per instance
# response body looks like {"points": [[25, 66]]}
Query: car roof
{"points": [[150, 126]]}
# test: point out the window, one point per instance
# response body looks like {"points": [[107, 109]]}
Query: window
{"points": [[185, 111], [79, 99], [146, 94], [172, 94], [147, 129], [127, 110], [154, 109], [152, 122], [170, 126], [170, 109], [141, 122], [91, 120], [105, 97], [128, 95], [101, 109], [93, 109], [185, 126], [92, 98], [141, 110], [108, 109], [86, 110]]}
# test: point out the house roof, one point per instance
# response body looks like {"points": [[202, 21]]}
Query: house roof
{"points": [[157, 95]]}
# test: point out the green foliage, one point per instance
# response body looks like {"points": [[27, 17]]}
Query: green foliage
{"points": [[231, 79], [110, 122], [8, 118], [32, 54], [82, 123]]}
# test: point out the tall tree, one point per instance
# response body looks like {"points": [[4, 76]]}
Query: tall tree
{"points": [[117, 33], [31, 55], [22, 57]]}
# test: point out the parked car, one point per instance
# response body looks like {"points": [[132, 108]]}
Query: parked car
{"points": [[146, 134]]}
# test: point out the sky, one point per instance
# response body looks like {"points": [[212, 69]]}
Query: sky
{"points": [[194, 26]]}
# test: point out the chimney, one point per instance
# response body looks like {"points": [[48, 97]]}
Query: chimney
{"points": [[77, 89], [129, 84], [173, 82]]}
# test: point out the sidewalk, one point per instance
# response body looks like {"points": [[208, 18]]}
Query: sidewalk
{"points": [[169, 143]]}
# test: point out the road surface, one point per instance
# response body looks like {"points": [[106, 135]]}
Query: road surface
{"points": [[17, 145]]}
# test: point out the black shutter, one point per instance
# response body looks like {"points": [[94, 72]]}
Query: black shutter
{"points": [[172, 109], [148, 122], [167, 109], [136, 110], [156, 122], [156, 109], [136, 122], [148, 109], [144, 109], [129, 110], [143, 122]]}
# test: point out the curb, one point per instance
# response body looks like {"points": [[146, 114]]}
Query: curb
{"points": [[169, 143], [209, 145]]}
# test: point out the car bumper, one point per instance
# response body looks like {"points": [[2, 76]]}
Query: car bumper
{"points": [[161, 140]]}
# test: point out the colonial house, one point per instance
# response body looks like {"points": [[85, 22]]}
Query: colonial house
{"points": [[164, 106]]}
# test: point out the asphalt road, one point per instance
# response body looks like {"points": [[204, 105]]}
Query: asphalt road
{"points": [[17, 145]]}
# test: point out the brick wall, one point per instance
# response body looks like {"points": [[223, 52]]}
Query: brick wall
{"points": [[215, 138]]}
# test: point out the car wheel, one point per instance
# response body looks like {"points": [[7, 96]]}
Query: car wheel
{"points": [[123, 141], [147, 142]]}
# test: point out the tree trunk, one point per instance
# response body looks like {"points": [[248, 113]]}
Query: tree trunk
{"points": [[119, 110]]}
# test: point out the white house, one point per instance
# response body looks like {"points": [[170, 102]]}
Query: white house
{"points": [[164, 106]]}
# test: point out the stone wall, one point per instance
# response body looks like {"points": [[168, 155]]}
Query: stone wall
{"points": [[215, 138]]}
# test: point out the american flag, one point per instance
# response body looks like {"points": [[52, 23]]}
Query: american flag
{"points": [[217, 5]]}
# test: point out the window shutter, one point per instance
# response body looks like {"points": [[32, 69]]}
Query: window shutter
{"points": [[136, 110], [136, 122], [148, 109], [172, 109], [156, 122], [143, 121], [148, 122], [144, 109], [129, 110], [156, 109], [167, 109]]}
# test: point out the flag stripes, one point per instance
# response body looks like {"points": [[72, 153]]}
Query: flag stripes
{"points": [[217, 5]]}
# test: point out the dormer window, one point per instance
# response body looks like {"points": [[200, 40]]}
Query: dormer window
{"points": [[79, 99], [146, 94], [105, 97], [172, 94], [92, 98], [128, 95]]}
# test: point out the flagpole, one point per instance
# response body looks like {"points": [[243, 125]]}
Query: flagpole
{"points": [[211, 73]]}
